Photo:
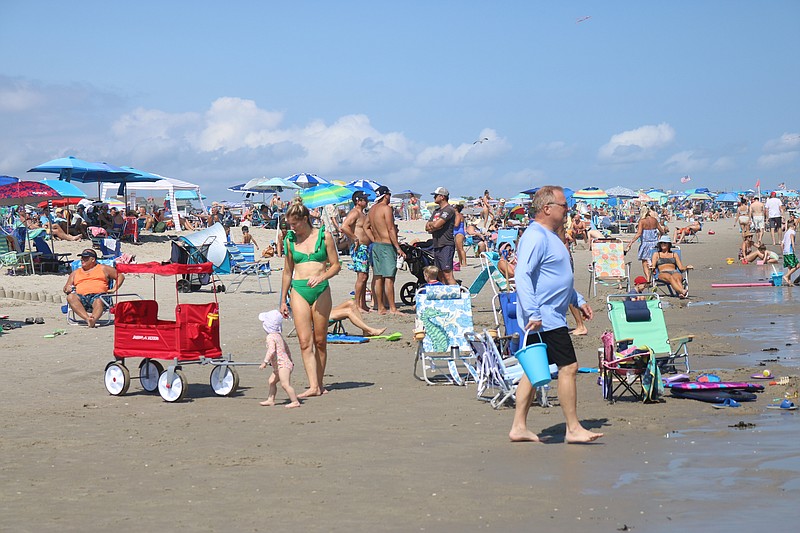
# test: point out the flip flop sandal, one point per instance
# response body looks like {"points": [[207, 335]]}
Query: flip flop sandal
{"points": [[55, 334], [729, 402], [29, 320], [39, 320], [785, 405]]}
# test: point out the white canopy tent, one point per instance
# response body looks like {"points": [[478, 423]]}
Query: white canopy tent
{"points": [[167, 184]]}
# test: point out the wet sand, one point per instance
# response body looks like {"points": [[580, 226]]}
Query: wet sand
{"points": [[382, 450]]}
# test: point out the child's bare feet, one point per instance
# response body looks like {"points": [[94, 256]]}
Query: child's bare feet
{"points": [[267, 403], [292, 405]]}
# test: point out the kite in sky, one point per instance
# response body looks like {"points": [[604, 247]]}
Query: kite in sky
{"points": [[583, 19], [686, 179]]}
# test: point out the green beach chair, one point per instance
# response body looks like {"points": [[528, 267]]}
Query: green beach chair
{"points": [[643, 323]]}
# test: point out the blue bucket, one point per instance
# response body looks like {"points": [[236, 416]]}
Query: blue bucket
{"points": [[777, 279], [533, 359]]}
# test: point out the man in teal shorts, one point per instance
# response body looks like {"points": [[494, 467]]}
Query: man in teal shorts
{"points": [[385, 249]]}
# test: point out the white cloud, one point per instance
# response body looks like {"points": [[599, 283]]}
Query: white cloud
{"points": [[777, 160], [556, 150], [723, 164], [636, 145], [685, 162], [788, 142], [467, 153]]}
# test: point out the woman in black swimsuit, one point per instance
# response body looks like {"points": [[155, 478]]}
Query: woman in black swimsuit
{"points": [[669, 266]]}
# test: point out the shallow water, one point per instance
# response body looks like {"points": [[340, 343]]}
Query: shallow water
{"points": [[723, 476]]}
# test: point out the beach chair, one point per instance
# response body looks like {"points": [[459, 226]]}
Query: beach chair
{"points": [[693, 236], [622, 367], [108, 299], [509, 235], [243, 270], [643, 325], [14, 258], [48, 261], [510, 334], [665, 288], [497, 377], [609, 266], [444, 315]]}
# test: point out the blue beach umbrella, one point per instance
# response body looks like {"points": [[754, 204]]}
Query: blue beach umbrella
{"points": [[307, 181], [365, 184], [269, 185], [65, 188]]}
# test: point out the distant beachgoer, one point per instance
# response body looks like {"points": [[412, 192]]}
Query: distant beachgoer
{"points": [[649, 229], [789, 259], [385, 249], [486, 208], [757, 218], [747, 248], [247, 238], [279, 358], [460, 235], [742, 218], [690, 229], [774, 208], [358, 230]]}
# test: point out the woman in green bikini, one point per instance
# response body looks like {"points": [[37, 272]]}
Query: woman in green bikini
{"points": [[311, 260]]}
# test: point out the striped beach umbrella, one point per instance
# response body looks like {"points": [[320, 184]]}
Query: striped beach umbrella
{"points": [[325, 194], [307, 181], [365, 184], [590, 193]]}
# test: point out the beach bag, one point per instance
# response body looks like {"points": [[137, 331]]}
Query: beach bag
{"points": [[160, 227], [652, 386]]}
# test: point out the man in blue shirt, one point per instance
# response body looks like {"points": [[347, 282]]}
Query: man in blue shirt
{"points": [[544, 281]]}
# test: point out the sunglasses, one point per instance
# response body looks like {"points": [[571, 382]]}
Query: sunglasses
{"points": [[564, 205]]}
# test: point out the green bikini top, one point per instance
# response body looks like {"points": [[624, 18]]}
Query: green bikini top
{"points": [[319, 255]]}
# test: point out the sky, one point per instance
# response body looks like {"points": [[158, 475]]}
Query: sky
{"points": [[415, 94]]}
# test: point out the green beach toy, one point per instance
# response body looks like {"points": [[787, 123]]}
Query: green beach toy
{"points": [[396, 336]]}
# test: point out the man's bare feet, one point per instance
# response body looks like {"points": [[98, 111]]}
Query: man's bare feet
{"points": [[395, 312], [523, 436], [382, 311], [267, 403], [292, 405], [373, 332], [91, 321], [580, 331], [582, 436], [311, 392]]}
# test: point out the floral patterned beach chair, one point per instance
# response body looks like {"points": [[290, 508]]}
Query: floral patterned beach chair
{"points": [[608, 266], [444, 315]]}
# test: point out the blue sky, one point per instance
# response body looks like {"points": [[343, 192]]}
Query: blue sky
{"points": [[216, 93]]}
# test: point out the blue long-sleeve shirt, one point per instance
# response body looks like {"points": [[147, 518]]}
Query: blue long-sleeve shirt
{"points": [[544, 279]]}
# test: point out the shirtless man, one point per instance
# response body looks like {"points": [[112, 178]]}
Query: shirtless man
{"points": [[757, 218], [385, 248], [357, 228]]}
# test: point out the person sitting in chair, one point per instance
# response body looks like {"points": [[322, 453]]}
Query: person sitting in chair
{"points": [[669, 266], [86, 285], [691, 229]]}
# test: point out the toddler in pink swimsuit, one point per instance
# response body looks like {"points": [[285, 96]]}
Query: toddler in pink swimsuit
{"points": [[279, 357]]}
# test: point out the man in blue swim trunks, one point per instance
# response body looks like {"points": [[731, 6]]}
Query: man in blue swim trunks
{"points": [[357, 228]]}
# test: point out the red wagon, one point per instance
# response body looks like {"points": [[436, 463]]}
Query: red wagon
{"points": [[192, 338]]}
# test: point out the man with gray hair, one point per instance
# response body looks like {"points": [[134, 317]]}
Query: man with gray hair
{"points": [[544, 281]]}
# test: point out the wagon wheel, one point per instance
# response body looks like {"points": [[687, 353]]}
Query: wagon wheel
{"points": [[149, 371], [117, 378], [220, 288], [184, 285], [408, 292], [224, 380], [175, 391]]}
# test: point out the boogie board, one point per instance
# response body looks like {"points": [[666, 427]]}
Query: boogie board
{"points": [[346, 339], [726, 385], [714, 395]]}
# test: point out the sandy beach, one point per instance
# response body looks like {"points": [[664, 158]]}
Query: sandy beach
{"points": [[384, 451]]}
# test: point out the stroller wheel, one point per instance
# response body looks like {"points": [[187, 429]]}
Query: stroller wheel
{"points": [[220, 288], [407, 293], [184, 285]]}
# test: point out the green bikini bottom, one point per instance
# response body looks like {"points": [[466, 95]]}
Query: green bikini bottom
{"points": [[309, 294]]}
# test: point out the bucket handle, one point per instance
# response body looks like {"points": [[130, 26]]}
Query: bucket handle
{"points": [[525, 337]]}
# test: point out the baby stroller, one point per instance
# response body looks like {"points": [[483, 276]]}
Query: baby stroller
{"points": [[418, 256], [186, 253]]}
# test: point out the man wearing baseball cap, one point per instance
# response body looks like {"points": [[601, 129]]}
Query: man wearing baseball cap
{"points": [[441, 226], [385, 249], [87, 284]]}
